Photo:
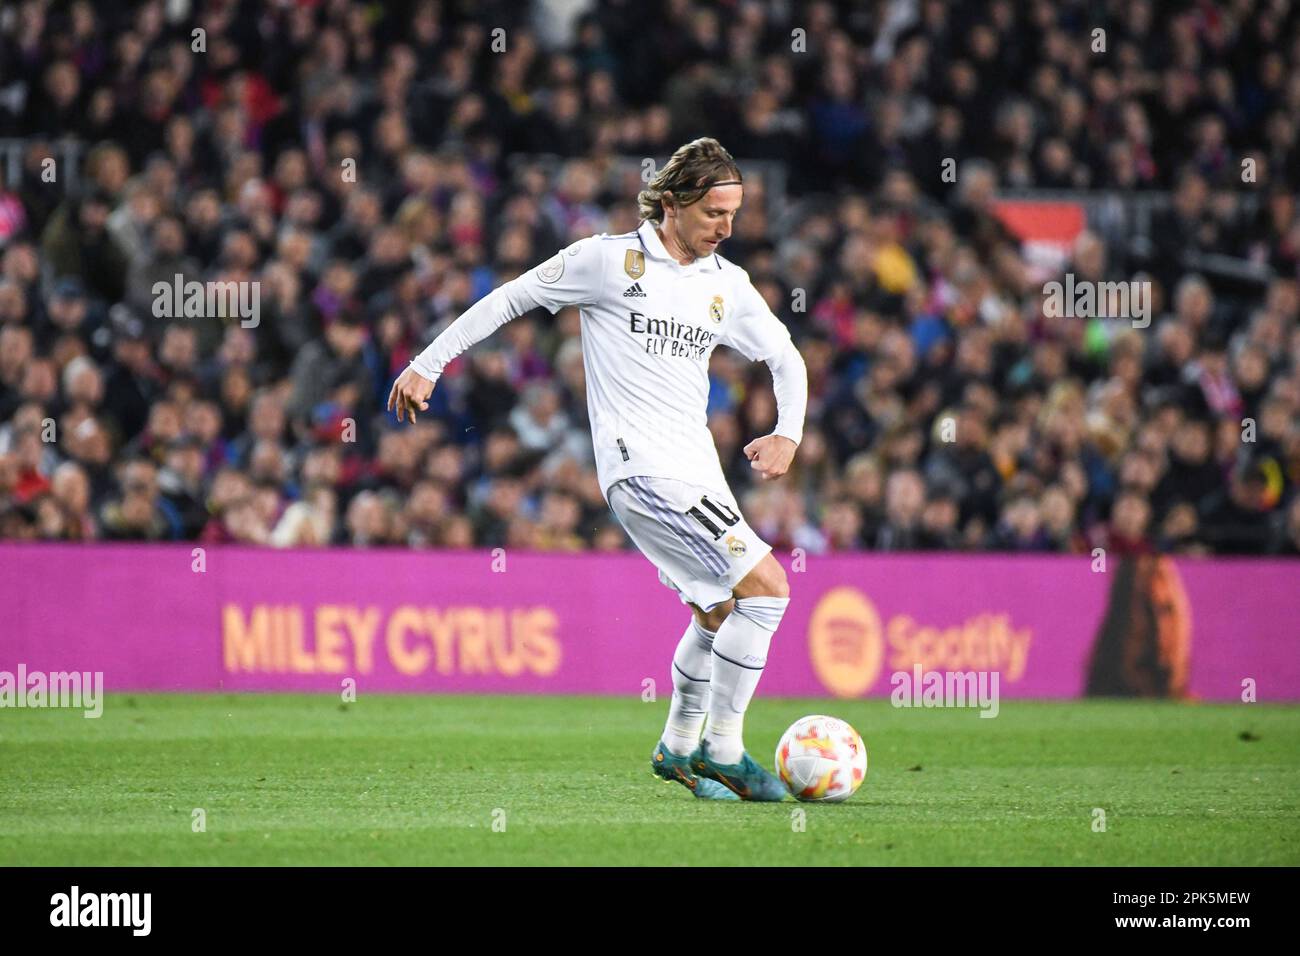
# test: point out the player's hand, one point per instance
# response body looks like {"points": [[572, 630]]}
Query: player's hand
{"points": [[770, 455], [410, 391]]}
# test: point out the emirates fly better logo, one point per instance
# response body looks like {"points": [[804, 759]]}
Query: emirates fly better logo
{"points": [[671, 338]]}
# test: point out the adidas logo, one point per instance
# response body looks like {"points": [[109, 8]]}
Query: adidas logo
{"points": [[633, 291]]}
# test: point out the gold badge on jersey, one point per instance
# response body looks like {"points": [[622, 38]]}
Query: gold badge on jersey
{"points": [[715, 309], [634, 263], [735, 546]]}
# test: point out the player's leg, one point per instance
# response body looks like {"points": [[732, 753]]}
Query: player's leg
{"points": [[739, 656], [712, 619], [691, 671], [731, 563], [659, 537]]}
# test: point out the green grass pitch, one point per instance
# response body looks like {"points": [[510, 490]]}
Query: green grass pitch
{"points": [[419, 780]]}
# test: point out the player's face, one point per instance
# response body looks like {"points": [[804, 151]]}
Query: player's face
{"points": [[703, 225]]}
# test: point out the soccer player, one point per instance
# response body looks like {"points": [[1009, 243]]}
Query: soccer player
{"points": [[654, 303]]}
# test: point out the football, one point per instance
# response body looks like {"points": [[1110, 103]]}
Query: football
{"points": [[821, 759]]}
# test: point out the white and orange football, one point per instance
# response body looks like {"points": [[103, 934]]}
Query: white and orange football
{"points": [[821, 759]]}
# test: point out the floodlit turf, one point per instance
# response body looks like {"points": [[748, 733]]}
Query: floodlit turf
{"points": [[287, 779]]}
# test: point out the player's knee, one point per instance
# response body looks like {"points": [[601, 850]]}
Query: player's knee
{"points": [[779, 584], [766, 580], [718, 615], [712, 619]]}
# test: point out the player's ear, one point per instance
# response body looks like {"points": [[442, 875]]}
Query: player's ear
{"points": [[669, 202]]}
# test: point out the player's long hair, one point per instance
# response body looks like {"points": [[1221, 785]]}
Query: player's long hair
{"points": [[691, 172]]}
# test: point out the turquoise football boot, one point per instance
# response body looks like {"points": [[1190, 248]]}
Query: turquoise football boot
{"points": [[668, 766], [746, 779]]}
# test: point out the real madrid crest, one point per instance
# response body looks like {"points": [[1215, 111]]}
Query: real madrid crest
{"points": [[735, 546], [634, 263], [715, 309]]}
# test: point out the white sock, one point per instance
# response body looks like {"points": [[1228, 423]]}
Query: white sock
{"points": [[739, 655], [692, 668]]}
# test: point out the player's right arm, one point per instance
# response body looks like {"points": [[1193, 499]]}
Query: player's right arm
{"points": [[570, 277], [761, 336]]}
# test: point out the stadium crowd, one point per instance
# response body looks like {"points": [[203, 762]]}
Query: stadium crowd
{"points": [[376, 168]]}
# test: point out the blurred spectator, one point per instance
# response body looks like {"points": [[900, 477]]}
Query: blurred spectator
{"points": [[376, 169]]}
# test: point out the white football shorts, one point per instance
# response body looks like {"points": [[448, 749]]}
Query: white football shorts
{"points": [[695, 536]]}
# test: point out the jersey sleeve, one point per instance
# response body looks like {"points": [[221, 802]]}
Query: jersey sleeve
{"points": [[761, 337], [753, 330], [571, 277]]}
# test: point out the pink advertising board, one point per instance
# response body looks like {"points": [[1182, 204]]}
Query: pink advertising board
{"points": [[160, 617]]}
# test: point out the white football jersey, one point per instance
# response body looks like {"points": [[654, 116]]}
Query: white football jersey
{"points": [[649, 325]]}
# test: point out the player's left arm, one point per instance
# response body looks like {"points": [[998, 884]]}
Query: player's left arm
{"points": [[570, 277], [760, 336]]}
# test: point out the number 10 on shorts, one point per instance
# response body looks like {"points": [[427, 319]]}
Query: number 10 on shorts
{"points": [[722, 512]]}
